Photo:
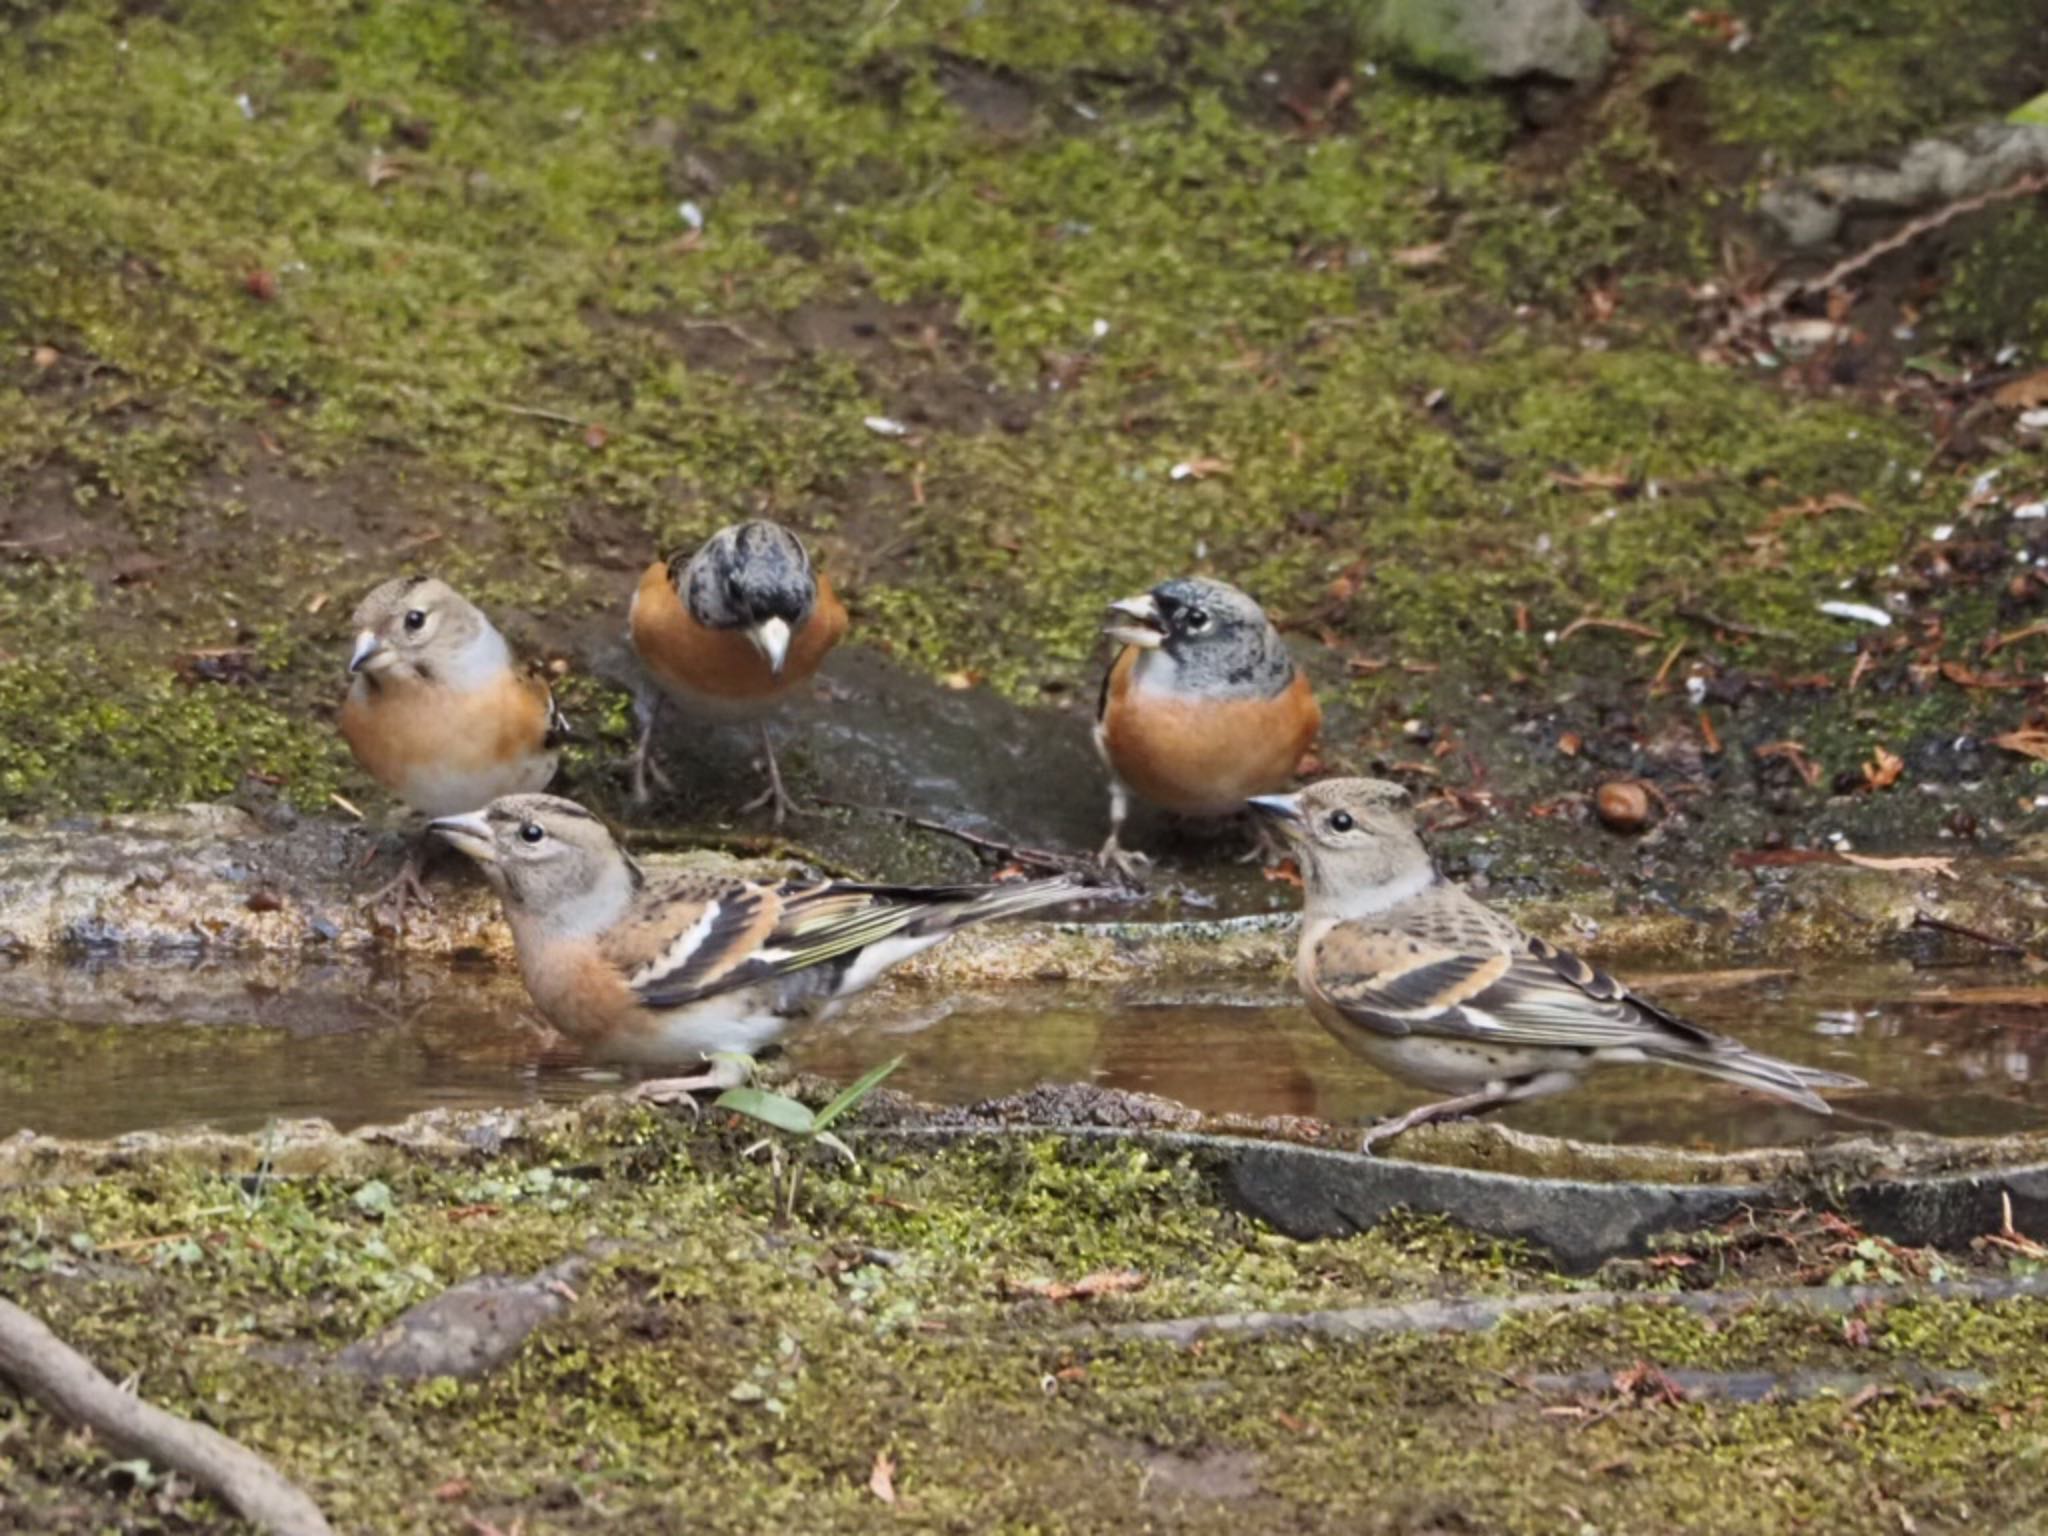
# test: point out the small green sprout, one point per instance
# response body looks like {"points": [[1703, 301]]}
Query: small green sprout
{"points": [[799, 1122]]}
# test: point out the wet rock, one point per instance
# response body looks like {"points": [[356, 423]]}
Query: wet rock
{"points": [[468, 1330], [1307, 1192], [1471, 41], [1809, 209]]}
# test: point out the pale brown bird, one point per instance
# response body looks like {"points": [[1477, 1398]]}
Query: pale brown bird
{"points": [[1410, 972], [678, 972], [438, 711], [727, 633], [1203, 708]]}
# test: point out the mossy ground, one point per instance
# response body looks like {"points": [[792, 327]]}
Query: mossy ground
{"points": [[720, 1371], [298, 296]]}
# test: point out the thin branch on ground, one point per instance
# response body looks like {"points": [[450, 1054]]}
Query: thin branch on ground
{"points": [[1775, 299], [1989, 940], [1035, 858], [537, 413], [1730, 626], [47, 1369]]}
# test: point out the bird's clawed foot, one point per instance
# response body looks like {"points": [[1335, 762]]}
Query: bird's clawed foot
{"points": [[1464, 1106], [641, 765], [774, 796], [407, 889], [1127, 864], [1267, 849], [727, 1070]]}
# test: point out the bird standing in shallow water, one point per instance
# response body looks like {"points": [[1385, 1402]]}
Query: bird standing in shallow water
{"points": [[1203, 708], [667, 974], [728, 633], [439, 713], [1413, 974]]}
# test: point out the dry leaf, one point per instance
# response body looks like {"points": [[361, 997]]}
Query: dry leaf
{"points": [[1569, 743], [1624, 626], [1964, 677], [2023, 394], [1419, 258], [2028, 743], [1593, 480], [959, 682], [1794, 753], [1104, 1282], [1924, 863], [882, 1481], [1996, 997], [1883, 769]]}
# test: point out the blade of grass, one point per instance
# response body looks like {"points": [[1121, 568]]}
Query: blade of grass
{"points": [[860, 1089]]}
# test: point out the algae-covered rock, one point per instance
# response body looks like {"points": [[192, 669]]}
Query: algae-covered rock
{"points": [[1472, 41]]}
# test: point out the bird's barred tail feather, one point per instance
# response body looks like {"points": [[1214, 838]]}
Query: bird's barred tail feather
{"points": [[986, 903], [1768, 1074]]}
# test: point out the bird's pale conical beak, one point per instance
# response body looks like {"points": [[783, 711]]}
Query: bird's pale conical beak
{"points": [[1285, 809], [771, 639], [1147, 629], [368, 646], [470, 834]]}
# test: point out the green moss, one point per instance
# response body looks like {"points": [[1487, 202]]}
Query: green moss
{"points": [[430, 298], [1847, 79], [892, 1319]]}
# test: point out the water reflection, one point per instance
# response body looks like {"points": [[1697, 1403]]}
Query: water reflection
{"points": [[98, 1052]]}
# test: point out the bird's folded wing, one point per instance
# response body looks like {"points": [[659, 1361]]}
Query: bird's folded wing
{"points": [[1537, 996], [688, 939], [753, 932]]}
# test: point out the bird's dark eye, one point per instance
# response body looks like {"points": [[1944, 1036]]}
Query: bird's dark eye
{"points": [[1197, 619], [1340, 821], [530, 831], [416, 619]]}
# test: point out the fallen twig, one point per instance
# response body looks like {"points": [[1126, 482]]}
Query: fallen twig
{"points": [[46, 1368], [1730, 626], [1037, 858], [1989, 940], [1625, 626], [1775, 299]]}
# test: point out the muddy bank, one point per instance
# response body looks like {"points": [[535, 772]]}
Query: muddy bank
{"points": [[216, 879]]}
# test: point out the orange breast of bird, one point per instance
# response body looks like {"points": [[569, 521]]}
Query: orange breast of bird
{"points": [[444, 752], [1204, 756], [582, 994], [721, 669]]}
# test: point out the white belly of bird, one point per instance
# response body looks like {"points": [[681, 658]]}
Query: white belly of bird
{"points": [[436, 790], [1459, 1066]]}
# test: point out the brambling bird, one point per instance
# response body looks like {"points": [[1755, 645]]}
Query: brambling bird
{"points": [[1413, 974], [1203, 708], [730, 631], [439, 713], [677, 972]]}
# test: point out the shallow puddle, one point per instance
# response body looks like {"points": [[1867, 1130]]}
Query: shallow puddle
{"points": [[102, 1051]]}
